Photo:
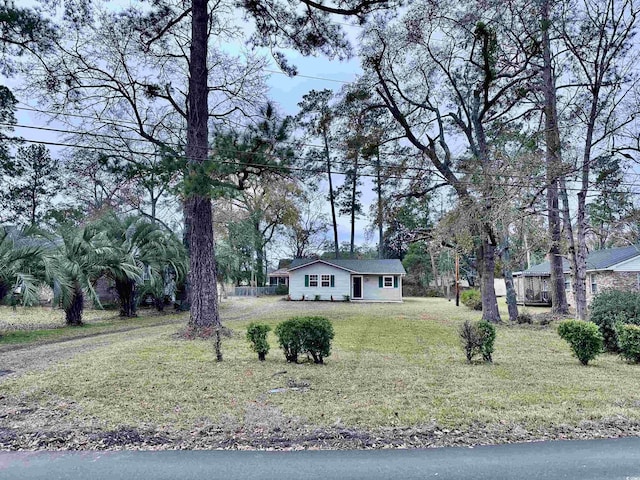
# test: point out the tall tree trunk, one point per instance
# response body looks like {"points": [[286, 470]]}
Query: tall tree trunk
{"points": [[258, 246], [332, 198], [126, 290], [580, 277], [73, 312], [434, 268], [354, 192], [512, 301], [579, 288], [554, 165], [380, 210], [486, 264], [202, 273], [527, 249]]}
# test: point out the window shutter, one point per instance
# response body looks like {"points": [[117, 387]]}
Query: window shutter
{"points": [[306, 280], [333, 281], [395, 282], [380, 282]]}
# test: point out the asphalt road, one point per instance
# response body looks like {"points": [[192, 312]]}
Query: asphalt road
{"points": [[584, 460]]}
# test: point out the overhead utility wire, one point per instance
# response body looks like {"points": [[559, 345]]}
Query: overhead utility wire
{"points": [[298, 169], [343, 163]]}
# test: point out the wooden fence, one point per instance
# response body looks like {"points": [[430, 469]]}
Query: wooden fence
{"points": [[254, 291]]}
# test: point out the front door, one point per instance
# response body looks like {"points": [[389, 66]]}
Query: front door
{"points": [[357, 287]]}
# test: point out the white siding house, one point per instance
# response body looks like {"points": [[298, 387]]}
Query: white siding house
{"points": [[366, 280]]}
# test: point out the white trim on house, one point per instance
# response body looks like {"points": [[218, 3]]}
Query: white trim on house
{"points": [[630, 265], [321, 261], [384, 281]]}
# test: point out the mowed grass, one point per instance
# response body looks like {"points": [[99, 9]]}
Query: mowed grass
{"points": [[391, 365], [42, 318], [42, 324]]}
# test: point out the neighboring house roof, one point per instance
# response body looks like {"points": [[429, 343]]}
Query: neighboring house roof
{"points": [[281, 272], [380, 267], [597, 260], [284, 263]]}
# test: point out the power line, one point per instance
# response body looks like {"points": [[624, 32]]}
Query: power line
{"points": [[301, 169], [344, 82], [342, 163], [294, 143]]}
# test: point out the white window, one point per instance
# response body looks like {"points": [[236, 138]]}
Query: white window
{"points": [[326, 280], [313, 280], [388, 282], [567, 283], [594, 284]]}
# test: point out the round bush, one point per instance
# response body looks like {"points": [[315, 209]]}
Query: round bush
{"points": [[612, 307], [584, 338], [472, 299], [317, 333], [629, 342], [290, 338], [310, 335], [257, 336]]}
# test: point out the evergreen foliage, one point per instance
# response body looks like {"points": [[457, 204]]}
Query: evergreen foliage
{"points": [[629, 342], [611, 307], [257, 337], [584, 338]]}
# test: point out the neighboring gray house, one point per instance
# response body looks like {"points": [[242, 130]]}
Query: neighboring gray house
{"points": [[611, 268], [367, 280]]}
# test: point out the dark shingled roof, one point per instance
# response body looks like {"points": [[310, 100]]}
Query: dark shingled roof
{"points": [[597, 260], [357, 266]]}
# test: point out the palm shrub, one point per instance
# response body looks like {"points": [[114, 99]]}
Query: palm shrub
{"points": [[584, 338], [156, 252], [20, 265], [629, 342], [257, 337], [612, 307], [79, 258]]}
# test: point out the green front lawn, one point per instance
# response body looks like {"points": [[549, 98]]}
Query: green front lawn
{"points": [[35, 325], [391, 365]]}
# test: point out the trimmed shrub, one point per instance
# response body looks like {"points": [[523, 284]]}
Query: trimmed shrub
{"points": [[316, 298], [317, 336], [629, 342], [282, 289], [472, 299], [584, 338], [612, 307], [477, 339], [257, 336], [289, 338], [487, 338], [310, 335]]}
